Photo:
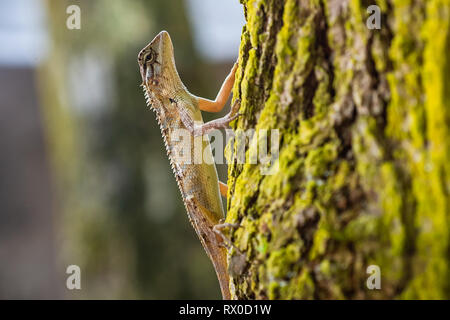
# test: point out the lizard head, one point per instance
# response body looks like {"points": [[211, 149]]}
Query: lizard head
{"points": [[157, 65]]}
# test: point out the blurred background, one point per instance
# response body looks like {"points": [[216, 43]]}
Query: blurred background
{"points": [[84, 177]]}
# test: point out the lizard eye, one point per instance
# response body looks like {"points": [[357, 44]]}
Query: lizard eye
{"points": [[150, 57]]}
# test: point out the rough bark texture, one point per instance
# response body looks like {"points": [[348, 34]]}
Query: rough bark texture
{"points": [[364, 165]]}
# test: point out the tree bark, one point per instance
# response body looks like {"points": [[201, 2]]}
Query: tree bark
{"points": [[364, 165]]}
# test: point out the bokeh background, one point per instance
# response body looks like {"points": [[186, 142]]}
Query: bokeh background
{"points": [[84, 178]]}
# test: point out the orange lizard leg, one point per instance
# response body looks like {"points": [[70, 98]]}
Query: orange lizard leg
{"points": [[223, 189], [222, 97]]}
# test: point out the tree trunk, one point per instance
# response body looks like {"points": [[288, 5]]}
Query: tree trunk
{"points": [[364, 168]]}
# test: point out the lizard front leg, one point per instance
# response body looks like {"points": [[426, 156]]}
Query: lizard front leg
{"points": [[199, 130], [222, 97], [216, 106]]}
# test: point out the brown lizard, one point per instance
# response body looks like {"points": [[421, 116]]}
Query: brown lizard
{"points": [[177, 109]]}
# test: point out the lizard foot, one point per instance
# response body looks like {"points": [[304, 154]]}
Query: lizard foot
{"points": [[218, 230]]}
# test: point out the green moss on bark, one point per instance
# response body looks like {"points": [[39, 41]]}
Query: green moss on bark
{"points": [[364, 168]]}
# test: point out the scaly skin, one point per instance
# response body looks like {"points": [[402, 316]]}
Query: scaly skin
{"points": [[198, 182]]}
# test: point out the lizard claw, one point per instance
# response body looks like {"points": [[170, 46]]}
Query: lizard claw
{"points": [[232, 115], [235, 66], [236, 106]]}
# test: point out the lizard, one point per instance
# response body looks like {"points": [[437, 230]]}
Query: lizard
{"points": [[176, 108]]}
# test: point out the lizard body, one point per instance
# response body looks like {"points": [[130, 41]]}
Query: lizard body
{"points": [[176, 109]]}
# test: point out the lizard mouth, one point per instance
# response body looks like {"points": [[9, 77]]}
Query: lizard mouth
{"points": [[149, 71], [160, 51], [147, 74]]}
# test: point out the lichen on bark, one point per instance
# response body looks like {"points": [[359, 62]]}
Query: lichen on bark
{"points": [[364, 168]]}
